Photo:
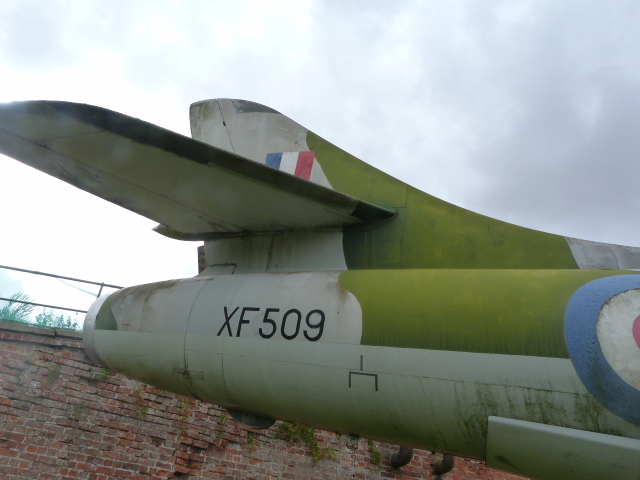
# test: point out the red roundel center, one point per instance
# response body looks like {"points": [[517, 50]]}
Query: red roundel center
{"points": [[636, 330]]}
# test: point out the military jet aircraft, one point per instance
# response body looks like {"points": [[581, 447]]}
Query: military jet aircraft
{"points": [[339, 297]]}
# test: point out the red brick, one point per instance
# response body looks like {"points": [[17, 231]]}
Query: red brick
{"points": [[6, 452], [107, 439]]}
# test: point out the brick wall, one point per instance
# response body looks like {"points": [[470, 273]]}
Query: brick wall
{"points": [[63, 417]]}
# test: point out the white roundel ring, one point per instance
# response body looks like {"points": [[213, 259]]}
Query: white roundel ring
{"points": [[602, 329]]}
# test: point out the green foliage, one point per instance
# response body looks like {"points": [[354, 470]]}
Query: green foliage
{"points": [[223, 418], [20, 312], [53, 374], [142, 412], [222, 421], [292, 432], [184, 421], [183, 425], [375, 454], [48, 319], [183, 402], [17, 312], [252, 441], [77, 411], [104, 374], [142, 409]]}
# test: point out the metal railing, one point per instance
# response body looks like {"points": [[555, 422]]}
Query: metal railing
{"points": [[62, 277], [13, 300]]}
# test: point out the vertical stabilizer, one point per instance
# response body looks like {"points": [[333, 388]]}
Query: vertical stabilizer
{"points": [[256, 132]]}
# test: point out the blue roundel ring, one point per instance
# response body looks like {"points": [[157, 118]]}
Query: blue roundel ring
{"points": [[585, 350]]}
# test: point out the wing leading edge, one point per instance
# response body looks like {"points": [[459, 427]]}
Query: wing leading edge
{"points": [[192, 189]]}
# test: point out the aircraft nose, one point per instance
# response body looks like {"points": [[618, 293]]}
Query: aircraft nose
{"points": [[602, 330]]}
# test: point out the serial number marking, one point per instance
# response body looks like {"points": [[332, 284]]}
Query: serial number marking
{"points": [[289, 324]]}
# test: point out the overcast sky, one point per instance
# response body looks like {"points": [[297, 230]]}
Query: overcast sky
{"points": [[525, 111]]}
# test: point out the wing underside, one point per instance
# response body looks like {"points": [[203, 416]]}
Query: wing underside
{"points": [[189, 187]]}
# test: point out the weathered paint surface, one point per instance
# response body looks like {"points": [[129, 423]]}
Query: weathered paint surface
{"points": [[220, 344], [515, 312], [428, 232], [449, 360], [569, 454], [600, 337], [278, 252], [226, 123], [351, 302], [604, 255], [191, 187]]}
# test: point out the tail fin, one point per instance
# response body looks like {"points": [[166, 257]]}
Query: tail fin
{"points": [[256, 132], [427, 232]]}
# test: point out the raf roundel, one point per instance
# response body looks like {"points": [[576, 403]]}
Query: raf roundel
{"points": [[602, 329]]}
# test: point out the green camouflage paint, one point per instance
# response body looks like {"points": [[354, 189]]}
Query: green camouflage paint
{"points": [[428, 232], [514, 312]]}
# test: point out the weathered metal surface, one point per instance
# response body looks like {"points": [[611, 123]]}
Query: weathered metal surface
{"points": [[428, 232], [600, 336], [401, 457], [226, 123], [280, 252], [604, 255], [182, 183], [251, 420], [353, 302], [445, 465], [508, 311], [553, 453], [290, 346]]}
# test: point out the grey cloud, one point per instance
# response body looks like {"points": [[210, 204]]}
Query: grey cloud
{"points": [[565, 157], [521, 110], [31, 40]]}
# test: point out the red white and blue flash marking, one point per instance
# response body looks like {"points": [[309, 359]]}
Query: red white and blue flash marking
{"points": [[299, 164], [602, 329]]}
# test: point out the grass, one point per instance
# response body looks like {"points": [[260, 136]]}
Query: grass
{"points": [[54, 373], [292, 432]]}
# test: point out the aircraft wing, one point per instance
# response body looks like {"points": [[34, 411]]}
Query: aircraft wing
{"points": [[191, 188]]}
